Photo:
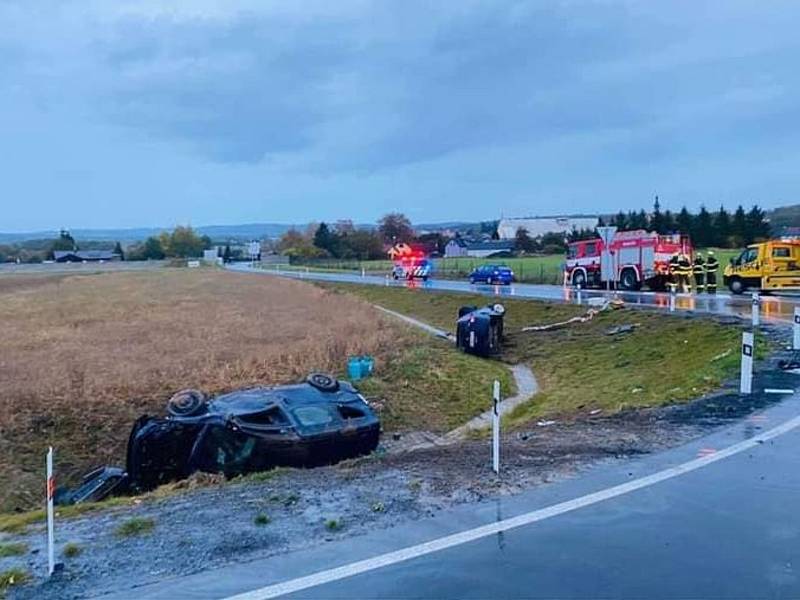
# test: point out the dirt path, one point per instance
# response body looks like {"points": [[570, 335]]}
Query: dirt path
{"points": [[527, 387]]}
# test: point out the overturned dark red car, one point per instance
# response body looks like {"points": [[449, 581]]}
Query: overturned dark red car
{"points": [[320, 421]]}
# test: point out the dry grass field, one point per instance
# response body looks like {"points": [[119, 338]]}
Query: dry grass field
{"points": [[83, 356]]}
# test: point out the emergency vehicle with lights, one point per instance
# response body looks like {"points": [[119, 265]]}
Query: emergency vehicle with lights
{"points": [[410, 263], [638, 257]]}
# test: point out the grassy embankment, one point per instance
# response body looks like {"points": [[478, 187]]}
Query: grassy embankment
{"points": [[580, 368], [83, 356]]}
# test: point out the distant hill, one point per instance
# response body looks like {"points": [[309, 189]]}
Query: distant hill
{"points": [[246, 231]]}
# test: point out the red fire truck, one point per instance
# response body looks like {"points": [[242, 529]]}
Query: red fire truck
{"points": [[638, 258]]}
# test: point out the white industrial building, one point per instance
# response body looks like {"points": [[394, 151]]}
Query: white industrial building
{"points": [[538, 226]]}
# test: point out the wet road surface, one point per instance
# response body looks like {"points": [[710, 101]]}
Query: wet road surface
{"points": [[773, 308]]}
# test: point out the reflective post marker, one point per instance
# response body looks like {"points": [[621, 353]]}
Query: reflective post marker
{"points": [[496, 427], [51, 490], [756, 309], [672, 302], [578, 295], [796, 329], [363, 272], [746, 377]]}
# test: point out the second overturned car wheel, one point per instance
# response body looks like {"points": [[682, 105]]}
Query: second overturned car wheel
{"points": [[323, 382], [186, 403]]}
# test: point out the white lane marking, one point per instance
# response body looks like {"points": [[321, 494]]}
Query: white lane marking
{"points": [[464, 537], [778, 391]]}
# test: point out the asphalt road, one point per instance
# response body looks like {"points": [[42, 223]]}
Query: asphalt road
{"points": [[772, 307], [716, 518]]}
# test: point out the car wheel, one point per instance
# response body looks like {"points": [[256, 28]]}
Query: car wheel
{"points": [[627, 280], [736, 286], [186, 403], [579, 279], [323, 382]]}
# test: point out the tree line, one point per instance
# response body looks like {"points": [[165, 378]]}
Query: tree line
{"points": [[346, 241], [719, 228]]}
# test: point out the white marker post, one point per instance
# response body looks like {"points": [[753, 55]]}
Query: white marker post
{"points": [[756, 309], [796, 338], [51, 490], [578, 295], [672, 301], [496, 427], [363, 272], [746, 377]]}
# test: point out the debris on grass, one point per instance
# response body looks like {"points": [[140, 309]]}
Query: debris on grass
{"points": [[721, 355], [333, 525], [618, 329], [13, 549], [71, 550], [135, 526], [13, 577], [262, 519], [545, 423], [378, 507]]}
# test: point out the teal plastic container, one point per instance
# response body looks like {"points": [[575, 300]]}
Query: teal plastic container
{"points": [[354, 368], [367, 365]]}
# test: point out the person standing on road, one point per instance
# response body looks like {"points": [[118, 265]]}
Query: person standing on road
{"points": [[711, 273], [699, 273], [672, 277], [684, 272]]}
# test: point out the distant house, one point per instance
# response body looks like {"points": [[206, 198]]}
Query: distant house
{"points": [[479, 249], [64, 256], [539, 226], [455, 248]]}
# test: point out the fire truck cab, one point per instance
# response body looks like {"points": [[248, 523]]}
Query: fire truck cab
{"points": [[638, 258]]}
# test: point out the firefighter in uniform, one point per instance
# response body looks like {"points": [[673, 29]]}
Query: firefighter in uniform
{"points": [[699, 268], [684, 272], [672, 279], [711, 273]]}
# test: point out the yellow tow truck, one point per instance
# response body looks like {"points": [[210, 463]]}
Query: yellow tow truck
{"points": [[768, 266]]}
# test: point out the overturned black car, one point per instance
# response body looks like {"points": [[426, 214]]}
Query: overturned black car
{"points": [[317, 422], [480, 330]]}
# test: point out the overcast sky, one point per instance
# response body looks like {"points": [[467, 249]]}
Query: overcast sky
{"points": [[116, 114]]}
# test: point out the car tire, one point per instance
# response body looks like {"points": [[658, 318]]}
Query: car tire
{"points": [[579, 279], [323, 382], [736, 286], [628, 280], [186, 403]]}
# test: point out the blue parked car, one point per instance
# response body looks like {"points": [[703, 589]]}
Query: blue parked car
{"points": [[492, 274]]}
